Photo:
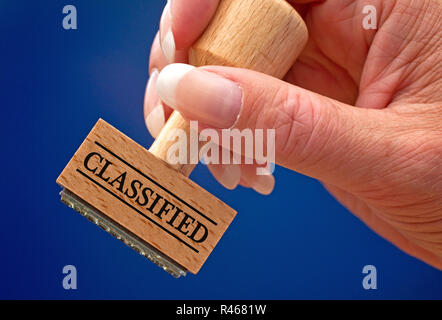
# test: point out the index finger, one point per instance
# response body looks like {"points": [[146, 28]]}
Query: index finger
{"points": [[182, 23]]}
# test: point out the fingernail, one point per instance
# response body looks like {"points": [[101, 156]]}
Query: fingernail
{"points": [[168, 81], [167, 41], [155, 120], [200, 95], [264, 184], [153, 109], [229, 176]]}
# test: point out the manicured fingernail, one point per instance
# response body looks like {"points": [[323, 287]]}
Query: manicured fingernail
{"points": [[155, 120], [200, 95], [264, 184], [153, 109], [167, 41], [228, 175], [168, 81]]}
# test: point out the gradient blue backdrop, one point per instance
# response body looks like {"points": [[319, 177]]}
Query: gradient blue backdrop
{"points": [[55, 84]]}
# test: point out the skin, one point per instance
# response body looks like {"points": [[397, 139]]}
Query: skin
{"points": [[360, 110]]}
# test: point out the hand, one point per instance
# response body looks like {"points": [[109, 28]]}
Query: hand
{"points": [[360, 110]]}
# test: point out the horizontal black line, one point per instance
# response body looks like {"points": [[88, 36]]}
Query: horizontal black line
{"points": [[138, 211], [153, 181]]}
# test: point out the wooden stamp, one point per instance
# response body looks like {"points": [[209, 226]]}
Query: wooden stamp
{"points": [[151, 205]]}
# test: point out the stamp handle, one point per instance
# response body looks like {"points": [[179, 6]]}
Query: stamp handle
{"points": [[262, 35]]}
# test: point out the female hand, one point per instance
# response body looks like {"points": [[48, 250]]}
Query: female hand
{"points": [[360, 110]]}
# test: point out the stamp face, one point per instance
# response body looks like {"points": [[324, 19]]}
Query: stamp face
{"points": [[143, 194]]}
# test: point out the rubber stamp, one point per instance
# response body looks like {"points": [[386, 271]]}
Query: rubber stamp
{"points": [[149, 204]]}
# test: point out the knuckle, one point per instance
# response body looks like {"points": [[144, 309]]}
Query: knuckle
{"points": [[298, 125]]}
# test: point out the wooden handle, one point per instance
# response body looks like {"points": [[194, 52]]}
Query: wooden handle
{"points": [[262, 35]]}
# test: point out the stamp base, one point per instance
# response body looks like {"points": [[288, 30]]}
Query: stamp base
{"points": [[119, 232]]}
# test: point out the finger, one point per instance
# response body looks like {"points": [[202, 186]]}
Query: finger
{"points": [[301, 6], [243, 183], [182, 22], [314, 135], [156, 59], [228, 175], [255, 176], [155, 112], [293, 2], [261, 183], [232, 175]]}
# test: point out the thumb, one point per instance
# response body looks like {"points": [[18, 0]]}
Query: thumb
{"points": [[314, 135]]}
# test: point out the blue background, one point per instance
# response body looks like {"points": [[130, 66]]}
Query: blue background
{"points": [[55, 84]]}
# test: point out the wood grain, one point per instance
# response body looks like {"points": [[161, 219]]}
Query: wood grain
{"points": [[113, 196]]}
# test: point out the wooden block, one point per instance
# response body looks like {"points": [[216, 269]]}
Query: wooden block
{"points": [[146, 196]]}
